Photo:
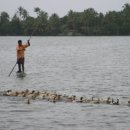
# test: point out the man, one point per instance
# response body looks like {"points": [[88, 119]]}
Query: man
{"points": [[20, 54]]}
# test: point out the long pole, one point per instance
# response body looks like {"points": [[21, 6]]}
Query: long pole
{"points": [[12, 69], [33, 32]]}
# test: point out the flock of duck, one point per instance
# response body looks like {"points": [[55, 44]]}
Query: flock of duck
{"points": [[54, 97]]}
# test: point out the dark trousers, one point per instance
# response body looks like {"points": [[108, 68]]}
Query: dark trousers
{"points": [[20, 63]]}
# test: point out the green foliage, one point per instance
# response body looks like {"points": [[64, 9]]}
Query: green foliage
{"points": [[4, 23], [86, 23], [54, 25]]}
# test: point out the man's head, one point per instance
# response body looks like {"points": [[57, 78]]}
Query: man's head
{"points": [[19, 42]]}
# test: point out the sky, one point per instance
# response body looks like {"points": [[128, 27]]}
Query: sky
{"points": [[61, 7]]}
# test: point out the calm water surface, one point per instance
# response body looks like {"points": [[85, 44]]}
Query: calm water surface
{"points": [[84, 66]]}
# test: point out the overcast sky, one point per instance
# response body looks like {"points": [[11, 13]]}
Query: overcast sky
{"points": [[61, 7]]}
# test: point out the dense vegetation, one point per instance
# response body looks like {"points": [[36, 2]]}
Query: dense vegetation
{"points": [[86, 23]]}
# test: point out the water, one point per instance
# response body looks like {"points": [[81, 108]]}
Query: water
{"points": [[84, 66]]}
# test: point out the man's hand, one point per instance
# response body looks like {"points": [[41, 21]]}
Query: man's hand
{"points": [[28, 42]]}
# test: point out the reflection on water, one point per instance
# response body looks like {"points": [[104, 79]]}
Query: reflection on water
{"points": [[84, 66]]}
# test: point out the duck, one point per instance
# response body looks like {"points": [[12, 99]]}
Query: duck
{"points": [[31, 95], [21, 94], [81, 100], [96, 101], [35, 95], [92, 100], [115, 103], [13, 93], [69, 99], [7, 93], [64, 97], [26, 91], [52, 94], [41, 96], [106, 101], [28, 101], [58, 97], [89, 100], [52, 99], [129, 103]]}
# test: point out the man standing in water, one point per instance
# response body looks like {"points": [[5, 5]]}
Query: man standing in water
{"points": [[20, 54]]}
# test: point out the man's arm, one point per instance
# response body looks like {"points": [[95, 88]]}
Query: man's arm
{"points": [[28, 43]]}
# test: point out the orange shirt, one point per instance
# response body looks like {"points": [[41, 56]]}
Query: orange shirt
{"points": [[20, 50]]}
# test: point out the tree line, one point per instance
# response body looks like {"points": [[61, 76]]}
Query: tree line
{"points": [[86, 23]]}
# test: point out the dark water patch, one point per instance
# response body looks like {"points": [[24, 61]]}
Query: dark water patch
{"points": [[21, 111]]}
